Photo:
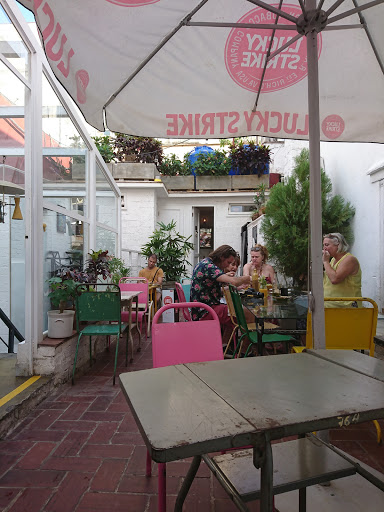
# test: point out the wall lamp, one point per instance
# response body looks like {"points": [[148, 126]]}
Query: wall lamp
{"points": [[10, 188]]}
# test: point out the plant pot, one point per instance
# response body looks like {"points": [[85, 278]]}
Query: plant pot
{"points": [[60, 325], [249, 182], [213, 182], [134, 171], [178, 182]]}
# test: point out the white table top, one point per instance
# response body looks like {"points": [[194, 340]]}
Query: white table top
{"points": [[199, 408], [129, 295]]}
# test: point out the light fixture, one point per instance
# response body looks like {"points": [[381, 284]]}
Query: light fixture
{"points": [[9, 188]]}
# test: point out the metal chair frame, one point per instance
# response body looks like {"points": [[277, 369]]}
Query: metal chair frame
{"points": [[94, 305]]}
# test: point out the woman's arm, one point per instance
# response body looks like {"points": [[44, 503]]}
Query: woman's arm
{"points": [[349, 266], [235, 281], [247, 269]]}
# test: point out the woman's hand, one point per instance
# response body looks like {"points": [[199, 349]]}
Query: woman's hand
{"points": [[326, 256], [230, 274]]}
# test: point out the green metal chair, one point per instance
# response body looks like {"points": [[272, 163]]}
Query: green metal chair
{"points": [[96, 302], [252, 336]]}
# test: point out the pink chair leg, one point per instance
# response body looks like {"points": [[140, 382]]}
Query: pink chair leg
{"points": [[162, 488], [148, 467]]}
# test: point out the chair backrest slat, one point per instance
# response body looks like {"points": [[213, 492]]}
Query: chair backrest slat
{"points": [[186, 342], [348, 328], [133, 284], [238, 309], [181, 298], [98, 304]]}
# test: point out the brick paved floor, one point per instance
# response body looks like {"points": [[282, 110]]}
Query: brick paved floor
{"points": [[81, 451]]}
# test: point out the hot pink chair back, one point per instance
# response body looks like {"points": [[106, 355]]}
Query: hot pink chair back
{"points": [[136, 284], [178, 343], [181, 298]]}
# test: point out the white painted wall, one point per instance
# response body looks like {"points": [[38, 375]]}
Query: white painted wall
{"points": [[138, 217]]}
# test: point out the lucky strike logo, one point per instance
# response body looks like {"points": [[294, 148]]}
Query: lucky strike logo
{"points": [[246, 52], [333, 126], [132, 3]]}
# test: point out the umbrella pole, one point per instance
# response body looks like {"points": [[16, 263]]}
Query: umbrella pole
{"points": [[317, 297]]}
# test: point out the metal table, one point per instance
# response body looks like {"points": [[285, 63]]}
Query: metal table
{"points": [[194, 409], [126, 300], [275, 308]]}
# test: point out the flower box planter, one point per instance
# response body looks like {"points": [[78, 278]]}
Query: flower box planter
{"points": [[178, 182], [249, 182], [213, 182], [134, 171]]}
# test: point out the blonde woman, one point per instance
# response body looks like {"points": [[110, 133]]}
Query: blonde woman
{"points": [[259, 256]]}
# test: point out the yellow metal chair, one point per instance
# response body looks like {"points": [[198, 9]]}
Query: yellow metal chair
{"points": [[347, 329]]}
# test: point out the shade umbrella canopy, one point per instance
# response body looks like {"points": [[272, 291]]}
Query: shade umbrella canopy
{"points": [[225, 68]]}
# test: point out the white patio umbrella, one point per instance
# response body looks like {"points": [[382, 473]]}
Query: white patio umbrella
{"points": [[225, 68]]}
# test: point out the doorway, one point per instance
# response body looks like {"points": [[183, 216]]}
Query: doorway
{"points": [[203, 232]]}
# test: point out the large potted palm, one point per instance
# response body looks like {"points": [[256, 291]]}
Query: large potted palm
{"points": [[172, 251]]}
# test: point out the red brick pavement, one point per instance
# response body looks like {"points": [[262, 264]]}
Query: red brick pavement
{"points": [[81, 451]]}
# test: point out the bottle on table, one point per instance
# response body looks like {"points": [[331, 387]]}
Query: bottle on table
{"points": [[255, 280]]}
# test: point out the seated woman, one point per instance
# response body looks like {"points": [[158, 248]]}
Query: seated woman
{"points": [[259, 256], [207, 278], [342, 272]]}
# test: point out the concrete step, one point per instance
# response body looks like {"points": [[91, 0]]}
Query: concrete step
{"points": [[18, 395]]}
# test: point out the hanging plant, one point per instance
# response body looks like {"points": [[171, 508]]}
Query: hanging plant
{"points": [[248, 157]]}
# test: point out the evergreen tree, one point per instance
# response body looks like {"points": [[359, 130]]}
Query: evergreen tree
{"points": [[286, 222]]}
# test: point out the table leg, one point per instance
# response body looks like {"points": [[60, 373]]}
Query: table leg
{"points": [[130, 328], [260, 332], [137, 323], [262, 458], [187, 483]]}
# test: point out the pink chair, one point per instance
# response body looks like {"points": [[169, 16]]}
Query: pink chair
{"points": [[178, 343], [144, 314], [181, 298]]}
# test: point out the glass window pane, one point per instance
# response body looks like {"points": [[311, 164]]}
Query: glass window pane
{"points": [[106, 201], [12, 46], [106, 240], [64, 240], [241, 208], [65, 156]]}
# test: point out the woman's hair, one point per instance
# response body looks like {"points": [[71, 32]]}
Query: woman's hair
{"points": [[237, 259], [222, 252], [262, 249], [339, 240]]}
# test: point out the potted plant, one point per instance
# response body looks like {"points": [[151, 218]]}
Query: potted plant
{"points": [[105, 145], [176, 174], [60, 321], [117, 269], [212, 171], [172, 250], [259, 199], [250, 163]]}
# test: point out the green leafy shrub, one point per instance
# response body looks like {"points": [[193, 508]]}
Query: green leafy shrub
{"points": [[216, 163], [173, 166], [105, 145], [286, 220]]}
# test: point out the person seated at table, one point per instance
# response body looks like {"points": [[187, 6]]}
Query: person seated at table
{"points": [[207, 278], [259, 256], [342, 272], [232, 268], [153, 274]]}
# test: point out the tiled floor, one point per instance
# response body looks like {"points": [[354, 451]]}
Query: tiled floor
{"points": [[81, 451]]}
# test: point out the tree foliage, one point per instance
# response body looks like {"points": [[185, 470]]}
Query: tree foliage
{"points": [[286, 220]]}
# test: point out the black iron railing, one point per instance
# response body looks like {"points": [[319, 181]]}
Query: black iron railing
{"points": [[12, 332]]}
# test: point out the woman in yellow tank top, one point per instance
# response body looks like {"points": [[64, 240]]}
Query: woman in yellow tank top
{"points": [[342, 273]]}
